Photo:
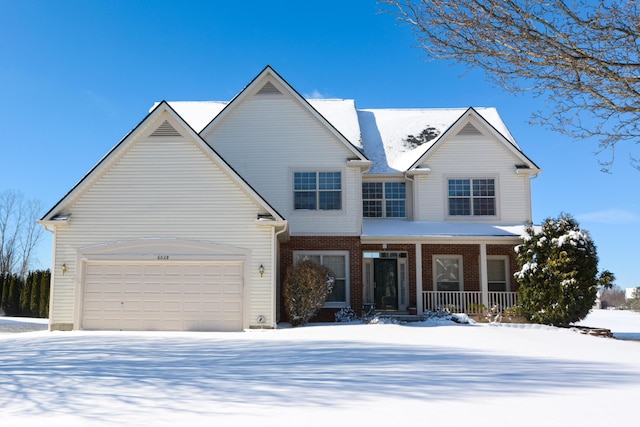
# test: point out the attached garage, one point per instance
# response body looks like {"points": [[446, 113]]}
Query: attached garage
{"points": [[168, 296], [164, 235]]}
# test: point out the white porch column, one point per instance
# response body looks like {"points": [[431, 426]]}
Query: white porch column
{"points": [[484, 279], [419, 306]]}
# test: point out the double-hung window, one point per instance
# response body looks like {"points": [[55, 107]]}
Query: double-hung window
{"points": [[317, 190], [472, 197], [384, 200], [338, 263]]}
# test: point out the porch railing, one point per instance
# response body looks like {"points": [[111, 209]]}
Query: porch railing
{"points": [[470, 302]]}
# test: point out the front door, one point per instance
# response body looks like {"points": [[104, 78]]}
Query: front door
{"points": [[385, 283]]}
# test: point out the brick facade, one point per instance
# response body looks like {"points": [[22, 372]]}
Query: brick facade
{"points": [[470, 263], [470, 255], [325, 243]]}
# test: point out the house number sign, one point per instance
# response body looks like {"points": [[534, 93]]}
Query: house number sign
{"points": [[163, 257]]}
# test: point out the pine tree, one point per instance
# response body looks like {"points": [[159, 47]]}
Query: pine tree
{"points": [[25, 296], [13, 302], [558, 273], [45, 283], [34, 305], [4, 291], [634, 302]]}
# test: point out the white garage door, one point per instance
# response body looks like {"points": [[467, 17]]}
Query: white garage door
{"points": [[163, 296]]}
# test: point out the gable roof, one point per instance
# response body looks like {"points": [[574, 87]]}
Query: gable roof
{"points": [[272, 81], [386, 137], [57, 211], [503, 135], [397, 140]]}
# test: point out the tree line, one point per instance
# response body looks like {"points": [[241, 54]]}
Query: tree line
{"points": [[28, 296]]}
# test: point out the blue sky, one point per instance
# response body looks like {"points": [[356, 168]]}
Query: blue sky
{"points": [[76, 76]]}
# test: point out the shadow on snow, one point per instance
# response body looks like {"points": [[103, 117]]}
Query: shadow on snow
{"points": [[64, 374]]}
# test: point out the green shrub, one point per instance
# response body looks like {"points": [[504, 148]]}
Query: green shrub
{"points": [[558, 273]]}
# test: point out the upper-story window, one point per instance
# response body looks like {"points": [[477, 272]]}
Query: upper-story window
{"points": [[472, 197], [317, 190], [384, 200]]}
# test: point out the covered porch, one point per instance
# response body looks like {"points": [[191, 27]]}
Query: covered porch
{"points": [[460, 267]]}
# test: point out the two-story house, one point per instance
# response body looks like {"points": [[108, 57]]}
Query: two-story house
{"points": [[192, 220]]}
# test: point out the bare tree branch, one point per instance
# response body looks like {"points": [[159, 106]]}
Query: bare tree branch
{"points": [[582, 56], [19, 233]]}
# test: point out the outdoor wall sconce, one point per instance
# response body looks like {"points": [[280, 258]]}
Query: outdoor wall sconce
{"points": [[261, 270], [64, 268]]}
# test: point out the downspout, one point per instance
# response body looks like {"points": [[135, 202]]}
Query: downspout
{"points": [[275, 272], [418, 260], [53, 272]]}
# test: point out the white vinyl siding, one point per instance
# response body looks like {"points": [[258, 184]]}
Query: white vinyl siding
{"points": [[473, 157], [163, 189], [283, 137]]}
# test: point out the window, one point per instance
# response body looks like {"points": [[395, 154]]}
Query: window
{"points": [[338, 263], [447, 271], [497, 274], [472, 197], [317, 190], [384, 200]]}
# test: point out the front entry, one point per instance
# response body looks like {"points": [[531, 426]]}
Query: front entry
{"points": [[385, 284], [385, 280]]}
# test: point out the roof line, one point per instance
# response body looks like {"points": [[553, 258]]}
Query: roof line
{"points": [[164, 103], [301, 98], [475, 112], [115, 147]]}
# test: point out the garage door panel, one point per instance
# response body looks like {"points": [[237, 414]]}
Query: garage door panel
{"points": [[162, 296]]}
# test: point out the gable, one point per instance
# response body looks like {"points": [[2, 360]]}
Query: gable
{"points": [[473, 139], [162, 163], [171, 180], [278, 107]]}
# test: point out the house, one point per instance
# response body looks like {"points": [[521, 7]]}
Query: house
{"points": [[191, 221]]}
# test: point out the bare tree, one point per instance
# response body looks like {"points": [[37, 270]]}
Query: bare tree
{"points": [[19, 233], [614, 297], [583, 56]]}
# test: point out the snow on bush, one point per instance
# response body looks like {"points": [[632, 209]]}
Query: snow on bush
{"points": [[558, 272]]}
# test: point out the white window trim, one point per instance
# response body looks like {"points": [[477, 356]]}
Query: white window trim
{"points": [[434, 263], [496, 184], [384, 199], [507, 272], [332, 304], [292, 190]]}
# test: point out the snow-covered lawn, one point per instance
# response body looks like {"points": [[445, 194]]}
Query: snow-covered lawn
{"points": [[338, 375]]}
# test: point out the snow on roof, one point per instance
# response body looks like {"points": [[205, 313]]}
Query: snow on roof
{"points": [[343, 115], [197, 114], [393, 139], [400, 228]]}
